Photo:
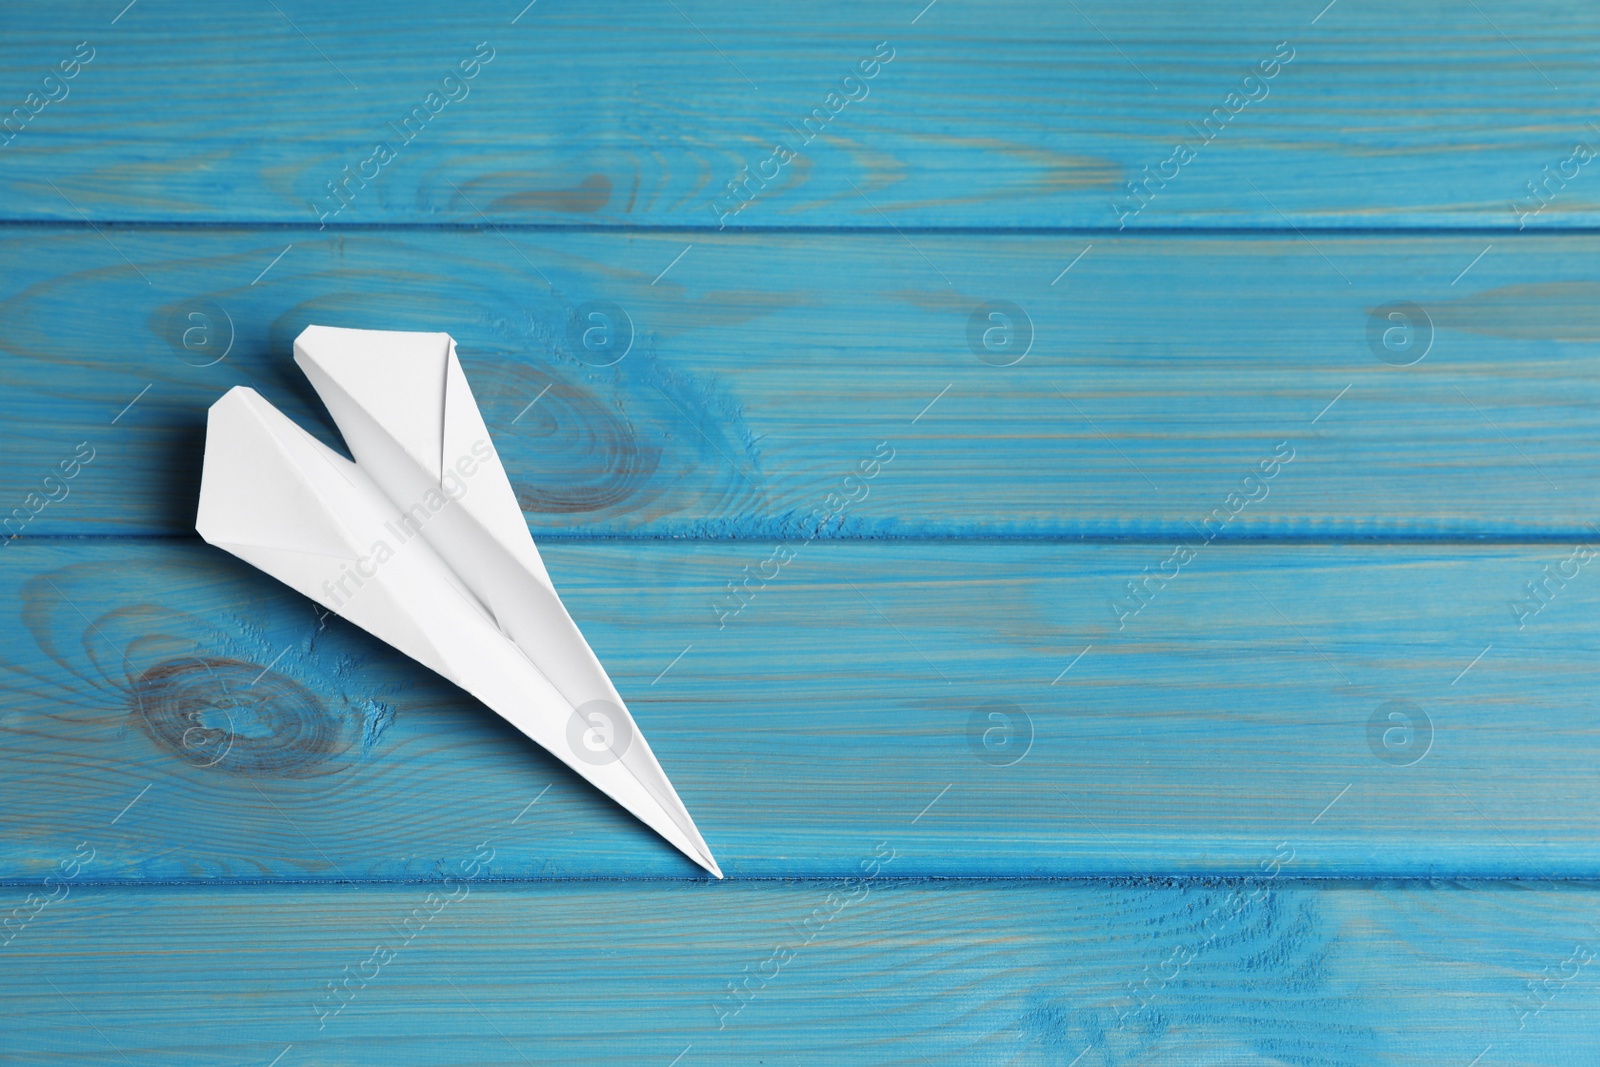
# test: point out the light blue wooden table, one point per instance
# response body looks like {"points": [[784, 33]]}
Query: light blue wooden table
{"points": [[1093, 506]]}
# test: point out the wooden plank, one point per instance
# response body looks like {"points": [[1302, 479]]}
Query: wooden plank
{"points": [[764, 370], [1377, 706], [997, 115], [886, 972]]}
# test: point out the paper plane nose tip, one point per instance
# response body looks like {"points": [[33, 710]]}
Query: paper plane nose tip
{"points": [[702, 853]]}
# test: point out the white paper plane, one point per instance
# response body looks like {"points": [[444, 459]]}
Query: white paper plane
{"points": [[421, 543]]}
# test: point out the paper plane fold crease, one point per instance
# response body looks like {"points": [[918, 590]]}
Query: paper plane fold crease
{"points": [[421, 543]]}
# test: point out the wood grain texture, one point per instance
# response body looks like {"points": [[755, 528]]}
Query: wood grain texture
{"points": [[997, 115], [953, 973], [1017, 766], [853, 698], [764, 369]]}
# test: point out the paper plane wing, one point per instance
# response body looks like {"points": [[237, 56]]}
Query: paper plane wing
{"points": [[279, 499]]}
